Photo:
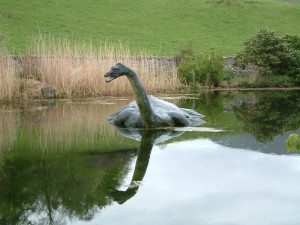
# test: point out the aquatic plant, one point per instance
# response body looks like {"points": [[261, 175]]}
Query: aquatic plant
{"points": [[293, 142]]}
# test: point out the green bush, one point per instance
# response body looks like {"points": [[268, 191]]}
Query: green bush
{"points": [[186, 51], [274, 81], [187, 70], [270, 81], [246, 84], [272, 54], [293, 142], [202, 69]]}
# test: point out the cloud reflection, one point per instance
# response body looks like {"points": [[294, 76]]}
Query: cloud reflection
{"points": [[201, 182]]}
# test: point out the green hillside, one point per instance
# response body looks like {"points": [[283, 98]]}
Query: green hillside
{"points": [[159, 26]]}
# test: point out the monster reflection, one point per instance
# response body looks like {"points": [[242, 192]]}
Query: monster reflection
{"points": [[147, 139], [53, 190]]}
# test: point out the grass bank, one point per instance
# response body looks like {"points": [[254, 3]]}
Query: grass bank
{"points": [[160, 26]]}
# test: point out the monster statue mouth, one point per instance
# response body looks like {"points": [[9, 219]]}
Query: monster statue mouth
{"points": [[111, 77]]}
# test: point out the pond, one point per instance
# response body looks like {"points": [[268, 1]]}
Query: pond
{"points": [[61, 162]]}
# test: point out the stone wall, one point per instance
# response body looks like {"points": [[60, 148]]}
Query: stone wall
{"points": [[28, 64], [249, 70]]}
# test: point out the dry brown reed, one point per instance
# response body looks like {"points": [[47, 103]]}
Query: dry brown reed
{"points": [[78, 70], [8, 83]]}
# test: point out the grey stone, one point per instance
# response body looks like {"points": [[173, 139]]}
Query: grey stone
{"points": [[48, 92]]}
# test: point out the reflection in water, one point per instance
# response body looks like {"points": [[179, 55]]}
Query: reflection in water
{"points": [[48, 190], [50, 154], [61, 162], [270, 114], [67, 126], [147, 138], [201, 182], [43, 170], [263, 114], [157, 135]]}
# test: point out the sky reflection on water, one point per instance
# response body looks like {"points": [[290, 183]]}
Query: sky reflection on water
{"points": [[62, 163], [201, 182]]}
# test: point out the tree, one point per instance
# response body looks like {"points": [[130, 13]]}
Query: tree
{"points": [[272, 54]]}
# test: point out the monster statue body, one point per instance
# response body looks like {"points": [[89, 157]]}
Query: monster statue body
{"points": [[148, 111]]}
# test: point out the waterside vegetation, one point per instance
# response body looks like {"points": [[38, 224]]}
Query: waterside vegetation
{"points": [[271, 61], [293, 142], [76, 70], [70, 54]]}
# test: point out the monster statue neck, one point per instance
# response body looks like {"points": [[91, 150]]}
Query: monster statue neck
{"points": [[141, 100]]}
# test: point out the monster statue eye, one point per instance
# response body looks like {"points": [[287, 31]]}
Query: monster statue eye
{"points": [[116, 69]]}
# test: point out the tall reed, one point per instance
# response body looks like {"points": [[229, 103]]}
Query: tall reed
{"points": [[78, 69], [8, 83]]}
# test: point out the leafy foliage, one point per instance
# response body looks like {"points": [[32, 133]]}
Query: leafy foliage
{"points": [[272, 54], [201, 69], [185, 51], [270, 81], [293, 142]]}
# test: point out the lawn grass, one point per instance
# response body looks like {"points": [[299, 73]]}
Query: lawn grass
{"points": [[159, 26]]}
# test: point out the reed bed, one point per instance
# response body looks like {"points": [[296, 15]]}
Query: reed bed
{"points": [[8, 83], [78, 70]]}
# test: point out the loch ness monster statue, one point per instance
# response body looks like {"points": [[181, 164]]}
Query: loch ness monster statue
{"points": [[148, 111]]}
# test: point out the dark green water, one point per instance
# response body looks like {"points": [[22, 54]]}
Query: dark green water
{"points": [[62, 163]]}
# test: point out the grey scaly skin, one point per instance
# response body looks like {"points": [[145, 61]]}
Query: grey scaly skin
{"points": [[138, 89], [148, 111]]}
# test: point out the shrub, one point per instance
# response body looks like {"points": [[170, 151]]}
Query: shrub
{"points": [[273, 55], [293, 142], [274, 81], [187, 70], [203, 69], [246, 84], [186, 51], [270, 81]]}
